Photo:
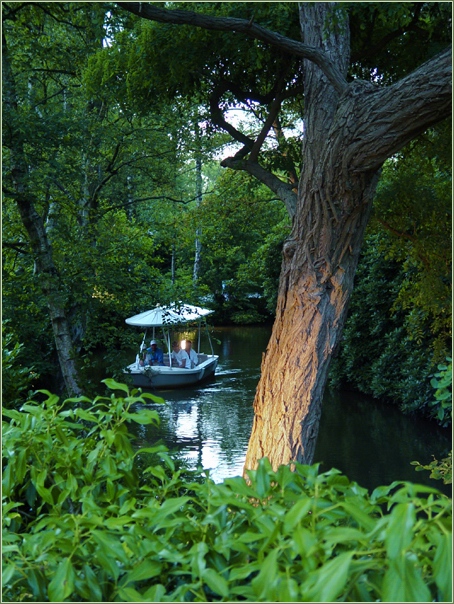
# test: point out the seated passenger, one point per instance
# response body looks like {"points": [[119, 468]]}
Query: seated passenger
{"points": [[179, 356], [154, 355], [193, 358]]}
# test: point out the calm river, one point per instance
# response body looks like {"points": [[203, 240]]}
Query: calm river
{"points": [[372, 443]]}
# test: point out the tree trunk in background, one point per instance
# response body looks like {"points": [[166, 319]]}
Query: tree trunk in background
{"points": [[48, 278], [198, 193], [45, 270]]}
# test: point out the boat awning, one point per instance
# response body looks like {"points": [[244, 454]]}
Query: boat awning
{"points": [[173, 314]]}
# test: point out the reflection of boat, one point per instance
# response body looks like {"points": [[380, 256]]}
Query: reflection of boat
{"points": [[166, 318]]}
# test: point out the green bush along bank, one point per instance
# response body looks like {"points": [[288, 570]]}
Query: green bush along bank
{"points": [[86, 517]]}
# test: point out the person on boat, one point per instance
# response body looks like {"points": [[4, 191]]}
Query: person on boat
{"points": [[193, 358], [179, 357], [154, 355]]}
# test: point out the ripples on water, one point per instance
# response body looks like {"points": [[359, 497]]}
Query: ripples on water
{"points": [[209, 426]]}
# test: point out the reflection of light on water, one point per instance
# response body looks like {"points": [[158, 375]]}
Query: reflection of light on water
{"points": [[189, 423], [227, 372], [186, 424]]}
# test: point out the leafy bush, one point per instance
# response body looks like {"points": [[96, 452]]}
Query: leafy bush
{"points": [[389, 349], [442, 382], [87, 518], [16, 377], [439, 470]]}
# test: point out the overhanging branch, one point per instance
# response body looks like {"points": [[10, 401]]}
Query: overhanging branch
{"points": [[248, 28]]}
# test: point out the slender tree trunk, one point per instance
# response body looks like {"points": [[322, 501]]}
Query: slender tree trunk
{"points": [[45, 270], [48, 277], [198, 188]]}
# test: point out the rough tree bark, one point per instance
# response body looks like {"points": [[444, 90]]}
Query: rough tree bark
{"points": [[350, 130], [347, 138]]}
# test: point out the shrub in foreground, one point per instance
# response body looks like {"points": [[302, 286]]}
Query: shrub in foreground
{"points": [[88, 518]]}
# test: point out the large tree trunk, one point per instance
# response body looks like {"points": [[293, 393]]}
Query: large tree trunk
{"points": [[348, 135], [316, 281]]}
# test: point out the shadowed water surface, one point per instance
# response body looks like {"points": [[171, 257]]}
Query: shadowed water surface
{"points": [[371, 442]]}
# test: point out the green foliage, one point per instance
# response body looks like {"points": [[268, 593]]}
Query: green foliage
{"points": [[17, 378], [242, 232], [399, 323], [88, 519], [442, 382], [439, 470], [409, 32], [377, 355]]}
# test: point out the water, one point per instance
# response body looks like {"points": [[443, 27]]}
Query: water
{"points": [[372, 443]]}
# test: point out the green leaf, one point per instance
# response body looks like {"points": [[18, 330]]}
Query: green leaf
{"points": [[242, 572], [89, 417], [155, 593], [146, 569], [249, 537], [343, 535], [129, 594], [262, 479], [77, 399], [145, 416], [268, 571], [442, 566], [62, 584], [174, 505], [7, 572], [399, 532], [88, 586], [216, 582], [403, 582], [198, 564], [153, 397], [113, 385], [363, 519], [296, 513], [330, 580]]}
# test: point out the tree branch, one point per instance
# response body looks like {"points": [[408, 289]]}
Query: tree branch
{"points": [[396, 114], [248, 28], [283, 190], [18, 246]]}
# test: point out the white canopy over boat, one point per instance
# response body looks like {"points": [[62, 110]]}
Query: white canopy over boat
{"points": [[163, 316]]}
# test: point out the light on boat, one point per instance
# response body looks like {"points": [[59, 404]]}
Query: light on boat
{"points": [[183, 344]]}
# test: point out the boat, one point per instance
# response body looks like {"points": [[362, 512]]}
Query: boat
{"points": [[166, 319]]}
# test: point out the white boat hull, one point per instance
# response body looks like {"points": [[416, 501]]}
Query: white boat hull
{"points": [[171, 377]]}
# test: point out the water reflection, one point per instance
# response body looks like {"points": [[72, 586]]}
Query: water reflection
{"points": [[210, 426], [373, 443]]}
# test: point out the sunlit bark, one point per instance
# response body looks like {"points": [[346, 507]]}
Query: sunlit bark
{"points": [[347, 139]]}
